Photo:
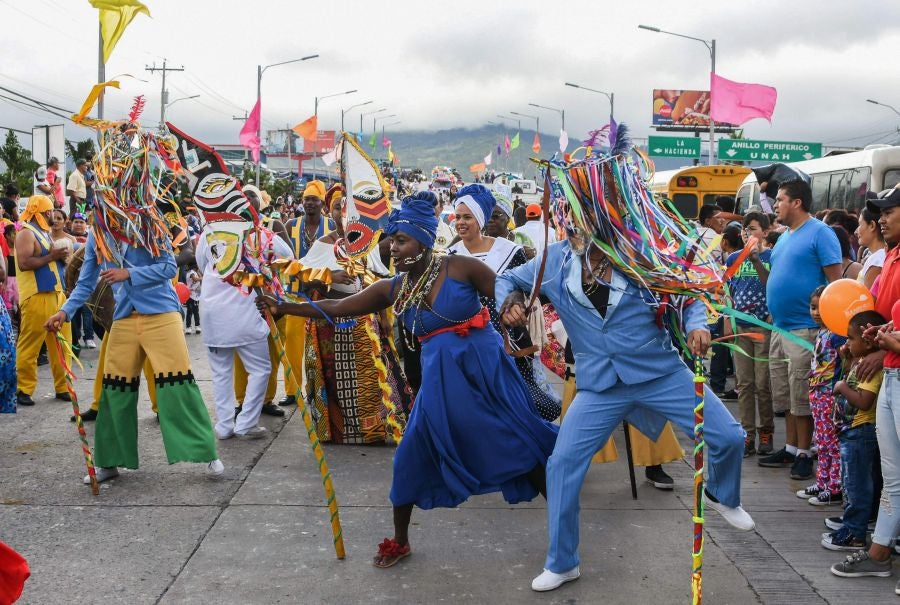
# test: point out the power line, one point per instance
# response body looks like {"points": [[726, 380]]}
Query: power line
{"points": [[25, 132], [33, 100], [39, 108]]}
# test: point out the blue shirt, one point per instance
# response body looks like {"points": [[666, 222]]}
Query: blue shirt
{"points": [[747, 291], [148, 290], [798, 259]]}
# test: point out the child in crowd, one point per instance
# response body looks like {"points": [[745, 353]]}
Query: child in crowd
{"points": [[826, 366], [854, 417], [748, 293], [772, 237], [193, 303]]}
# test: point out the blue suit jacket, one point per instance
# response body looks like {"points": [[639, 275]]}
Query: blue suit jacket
{"points": [[626, 346]]}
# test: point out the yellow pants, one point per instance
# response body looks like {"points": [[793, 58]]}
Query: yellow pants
{"points": [[645, 452], [35, 310], [98, 379], [240, 376], [293, 331]]}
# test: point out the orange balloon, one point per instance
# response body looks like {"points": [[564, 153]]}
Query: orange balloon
{"points": [[841, 300], [184, 293]]}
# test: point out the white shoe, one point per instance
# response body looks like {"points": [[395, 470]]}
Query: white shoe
{"points": [[197, 330], [257, 432], [737, 517], [215, 468], [103, 474], [221, 437], [89, 343], [550, 581], [187, 330]]}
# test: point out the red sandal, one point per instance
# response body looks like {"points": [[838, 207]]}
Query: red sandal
{"points": [[391, 550]]}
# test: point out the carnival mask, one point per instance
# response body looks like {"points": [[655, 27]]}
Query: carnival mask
{"points": [[367, 206]]}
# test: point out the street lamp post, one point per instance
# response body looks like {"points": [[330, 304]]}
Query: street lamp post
{"points": [[367, 113], [316, 116], [561, 112], [711, 46], [260, 70], [375, 122], [345, 111], [168, 105], [516, 120], [609, 95], [891, 107]]}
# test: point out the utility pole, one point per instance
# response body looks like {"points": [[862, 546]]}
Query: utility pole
{"points": [[164, 95]]}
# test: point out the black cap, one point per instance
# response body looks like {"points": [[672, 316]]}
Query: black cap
{"points": [[885, 199]]}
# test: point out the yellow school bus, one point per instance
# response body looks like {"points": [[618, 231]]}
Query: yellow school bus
{"points": [[695, 186]]}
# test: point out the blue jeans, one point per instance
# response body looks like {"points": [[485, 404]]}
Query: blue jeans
{"points": [[887, 421], [859, 447], [82, 325], [587, 426]]}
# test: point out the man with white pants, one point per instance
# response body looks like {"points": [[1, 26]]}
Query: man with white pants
{"points": [[232, 326]]}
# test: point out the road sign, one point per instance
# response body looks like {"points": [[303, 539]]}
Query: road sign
{"points": [[747, 150], [674, 147]]}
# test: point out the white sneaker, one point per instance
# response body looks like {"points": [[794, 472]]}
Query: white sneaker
{"points": [[89, 343], [257, 432], [197, 330], [737, 517], [187, 330], [549, 580], [215, 468], [103, 474], [222, 437]]}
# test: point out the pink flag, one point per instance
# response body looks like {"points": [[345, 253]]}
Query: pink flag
{"points": [[249, 137], [737, 103], [506, 145], [385, 142]]}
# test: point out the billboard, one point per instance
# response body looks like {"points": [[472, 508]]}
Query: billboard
{"points": [[324, 142], [682, 109]]}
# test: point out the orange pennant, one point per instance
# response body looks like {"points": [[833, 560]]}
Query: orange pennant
{"points": [[307, 129]]}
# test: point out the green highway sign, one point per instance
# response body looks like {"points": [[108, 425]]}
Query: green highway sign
{"points": [[747, 150], [674, 147]]}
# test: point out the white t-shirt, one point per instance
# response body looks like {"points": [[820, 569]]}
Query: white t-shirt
{"points": [[228, 317], [876, 259], [193, 283], [535, 232]]}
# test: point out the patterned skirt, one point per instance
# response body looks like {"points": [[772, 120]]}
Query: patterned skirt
{"points": [[352, 376], [7, 364]]}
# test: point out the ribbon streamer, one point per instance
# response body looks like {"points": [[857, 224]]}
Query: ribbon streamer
{"points": [[61, 344], [699, 444]]}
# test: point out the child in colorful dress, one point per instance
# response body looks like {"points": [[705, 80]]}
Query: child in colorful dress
{"points": [[825, 368], [854, 414]]}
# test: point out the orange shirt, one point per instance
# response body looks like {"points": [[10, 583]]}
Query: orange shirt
{"points": [[888, 294]]}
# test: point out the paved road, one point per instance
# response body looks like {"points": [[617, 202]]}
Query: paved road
{"points": [[167, 534]]}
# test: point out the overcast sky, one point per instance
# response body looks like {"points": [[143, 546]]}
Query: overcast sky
{"points": [[459, 63]]}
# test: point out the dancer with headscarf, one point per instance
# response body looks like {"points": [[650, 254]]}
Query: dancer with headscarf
{"points": [[343, 386], [474, 207], [473, 428], [40, 268]]}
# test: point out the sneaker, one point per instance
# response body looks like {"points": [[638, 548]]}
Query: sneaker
{"points": [[808, 492], [825, 497], [549, 580], [223, 437], [842, 539], [215, 468], [270, 409], [197, 330], [87, 416], [749, 446], [24, 399], [187, 330], [778, 459], [103, 474], [43, 360], [737, 517], [802, 467], [834, 523], [658, 478], [89, 343], [765, 444], [860, 564], [257, 432], [289, 400]]}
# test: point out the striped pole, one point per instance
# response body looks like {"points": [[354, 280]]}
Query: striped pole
{"points": [[699, 444], [85, 447], [336, 530]]}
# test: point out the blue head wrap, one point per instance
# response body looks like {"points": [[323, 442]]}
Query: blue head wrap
{"points": [[478, 200], [415, 218]]}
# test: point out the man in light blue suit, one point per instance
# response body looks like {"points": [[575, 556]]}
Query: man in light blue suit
{"points": [[627, 368]]}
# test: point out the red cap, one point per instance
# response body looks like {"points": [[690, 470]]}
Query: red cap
{"points": [[532, 211]]}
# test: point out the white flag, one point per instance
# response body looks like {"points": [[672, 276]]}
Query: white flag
{"points": [[563, 140], [487, 160]]}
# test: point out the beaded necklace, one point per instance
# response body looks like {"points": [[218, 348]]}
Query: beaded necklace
{"points": [[411, 295]]}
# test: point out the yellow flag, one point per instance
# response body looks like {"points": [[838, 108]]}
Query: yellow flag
{"points": [[115, 15], [390, 155], [91, 99]]}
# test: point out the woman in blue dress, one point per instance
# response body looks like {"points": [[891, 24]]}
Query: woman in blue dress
{"points": [[7, 355], [473, 427]]}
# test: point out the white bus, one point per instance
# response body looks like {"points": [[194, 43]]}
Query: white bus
{"points": [[839, 181]]}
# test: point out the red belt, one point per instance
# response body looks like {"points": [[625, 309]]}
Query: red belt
{"points": [[479, 320]]}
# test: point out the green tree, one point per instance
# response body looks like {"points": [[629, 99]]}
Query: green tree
{"points": [[81, 149], [19, 165]]}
